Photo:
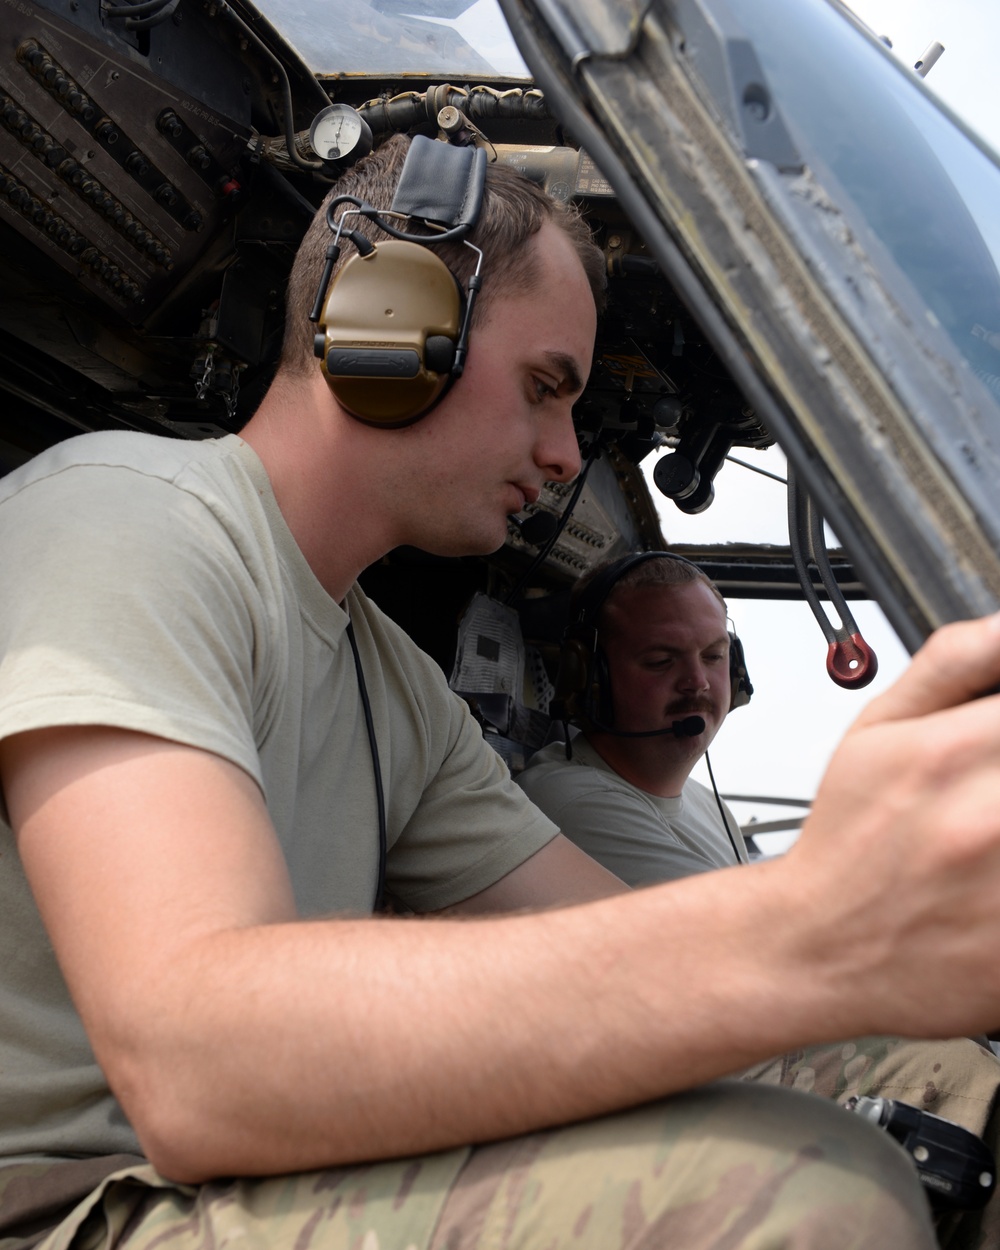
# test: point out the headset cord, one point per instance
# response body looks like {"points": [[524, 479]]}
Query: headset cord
{"points": [[383, 842], [722, 810]]}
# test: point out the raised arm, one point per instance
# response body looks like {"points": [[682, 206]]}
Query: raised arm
{"points": [[243, 1041]]}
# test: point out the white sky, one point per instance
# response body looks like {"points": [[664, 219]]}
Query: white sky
{"points": [[966, 75], [781, 742]]}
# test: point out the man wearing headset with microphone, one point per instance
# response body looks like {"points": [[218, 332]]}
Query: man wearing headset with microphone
{"points": [[216, 755], [649, 671]]}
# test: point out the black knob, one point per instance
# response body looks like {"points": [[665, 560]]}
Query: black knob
{"points": [[170, 124]]}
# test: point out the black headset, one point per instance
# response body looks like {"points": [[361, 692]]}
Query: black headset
{"points": [[393, 325], [582, 687]]}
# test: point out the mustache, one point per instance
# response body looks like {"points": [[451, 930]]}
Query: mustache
{"points": [[691, 707]]}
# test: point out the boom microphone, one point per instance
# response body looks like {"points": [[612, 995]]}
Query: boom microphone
{"points": [[537, 528]]}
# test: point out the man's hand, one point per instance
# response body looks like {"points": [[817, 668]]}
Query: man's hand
{"points": [[902, 849]]}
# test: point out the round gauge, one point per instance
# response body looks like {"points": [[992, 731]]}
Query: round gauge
{"points": [[340, 133]]}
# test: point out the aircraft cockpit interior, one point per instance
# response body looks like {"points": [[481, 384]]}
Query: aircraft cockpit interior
{"points": [[767, 282]]}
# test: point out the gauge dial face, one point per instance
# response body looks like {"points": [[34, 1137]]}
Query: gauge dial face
{"points": [[340, 133]]}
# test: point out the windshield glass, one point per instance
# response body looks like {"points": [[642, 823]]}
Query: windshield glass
{"points": [[436, 37], [907, 174]]}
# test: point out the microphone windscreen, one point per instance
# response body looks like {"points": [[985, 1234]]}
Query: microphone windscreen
{"points": [[538, 528]]}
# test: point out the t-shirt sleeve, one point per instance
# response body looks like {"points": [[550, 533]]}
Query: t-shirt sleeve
{"points": [[128, 607], [472, 826], [457, 823]]}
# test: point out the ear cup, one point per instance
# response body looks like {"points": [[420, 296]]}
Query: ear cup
{"points": [[388, 332], [740, 686], [573, 678]]}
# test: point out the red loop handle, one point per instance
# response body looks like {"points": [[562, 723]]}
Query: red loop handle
{"points": [[851, 663]]}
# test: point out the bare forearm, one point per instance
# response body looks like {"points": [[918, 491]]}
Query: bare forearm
{"points": [[241, 1040], [319, 1043]]}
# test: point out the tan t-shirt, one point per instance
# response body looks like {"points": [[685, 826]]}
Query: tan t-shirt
{"points": [[643, 838], [152, 584]]}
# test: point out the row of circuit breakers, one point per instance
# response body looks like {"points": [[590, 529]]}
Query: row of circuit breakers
{"points": [[118, 177]]}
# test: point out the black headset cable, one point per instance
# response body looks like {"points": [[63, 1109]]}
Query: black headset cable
{"points": [[722, 810], [383, 841]]}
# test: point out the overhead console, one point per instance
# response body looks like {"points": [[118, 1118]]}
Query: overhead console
{"points": [[112, 171]]}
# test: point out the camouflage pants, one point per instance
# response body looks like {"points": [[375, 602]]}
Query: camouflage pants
{"points": [[958, 1080], [732, 1166]]}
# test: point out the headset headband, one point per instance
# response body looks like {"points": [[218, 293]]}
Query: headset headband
{"points": [[591, 599]]}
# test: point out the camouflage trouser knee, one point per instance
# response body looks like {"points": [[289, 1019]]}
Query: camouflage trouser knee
{"points": [[958, 1080], [729, 1166]]}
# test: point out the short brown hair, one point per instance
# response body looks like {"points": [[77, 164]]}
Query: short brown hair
{"points": [[658, 570], [514, 208]]}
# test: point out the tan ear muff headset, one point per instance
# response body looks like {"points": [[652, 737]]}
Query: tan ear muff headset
{"points": [[393, 325], [582, 687]]}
